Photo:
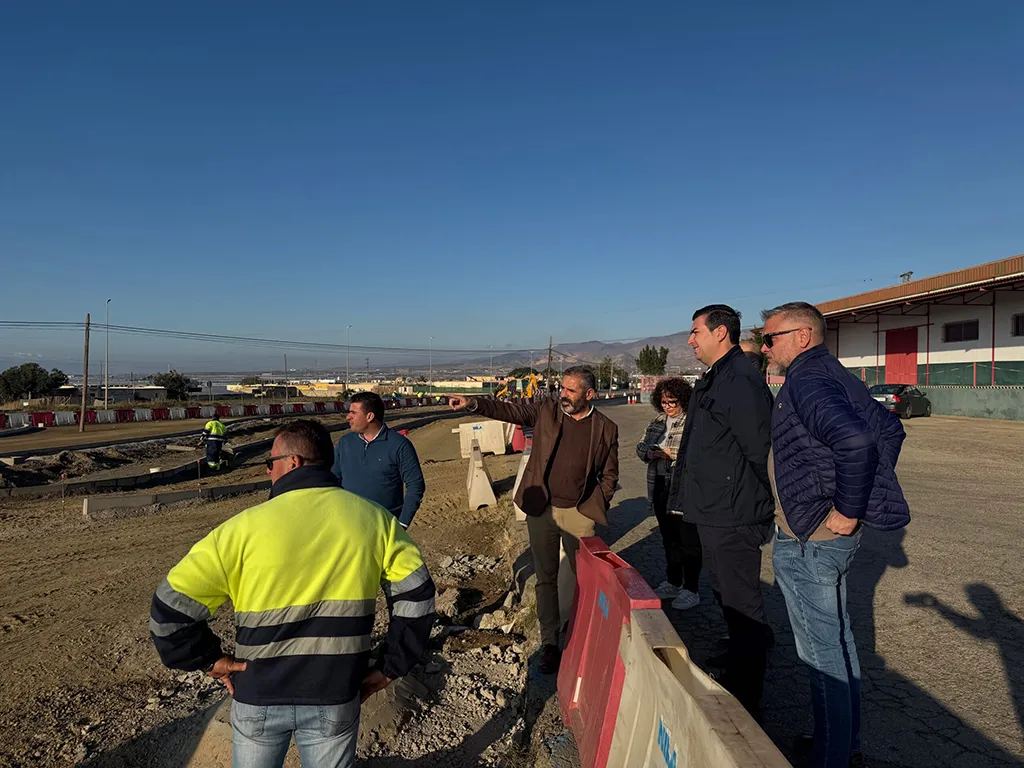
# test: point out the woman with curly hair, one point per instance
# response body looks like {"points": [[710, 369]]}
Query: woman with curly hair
{"points": [[659, 450]]}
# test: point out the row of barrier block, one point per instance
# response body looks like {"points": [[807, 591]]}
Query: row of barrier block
{"points": [[124, 415], [629, 690], [478, 481]]}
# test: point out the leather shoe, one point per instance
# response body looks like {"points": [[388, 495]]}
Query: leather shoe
{"points": [[550, 659]]}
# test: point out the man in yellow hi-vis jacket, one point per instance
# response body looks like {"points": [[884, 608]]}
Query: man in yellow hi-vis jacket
{"points": [[214, 434], [302, 571]]}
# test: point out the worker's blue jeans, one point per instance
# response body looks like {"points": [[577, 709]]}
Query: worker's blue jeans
{"points": [[324, 735], [813, 581]]}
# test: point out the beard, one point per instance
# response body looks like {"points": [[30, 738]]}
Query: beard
{"points": [[776, 369], [570, 406]]}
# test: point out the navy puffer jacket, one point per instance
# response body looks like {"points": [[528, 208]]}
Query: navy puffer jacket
{"points": [[835, 447]]}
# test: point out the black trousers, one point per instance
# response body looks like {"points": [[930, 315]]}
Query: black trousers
{"points": [[733, 556], [683, 554]]}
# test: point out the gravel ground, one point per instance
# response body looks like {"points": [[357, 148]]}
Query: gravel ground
{"points": [[80, 682], [936, 608]]}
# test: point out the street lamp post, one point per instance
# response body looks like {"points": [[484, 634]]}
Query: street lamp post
{"points": [[491, 347], [106, 363], [348, 348], [431, 358]]}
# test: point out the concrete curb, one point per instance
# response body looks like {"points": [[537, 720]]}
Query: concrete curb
{"points": [[92, 506]]}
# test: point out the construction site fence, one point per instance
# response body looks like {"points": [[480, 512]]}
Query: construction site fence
{"points": [[124, 415]]}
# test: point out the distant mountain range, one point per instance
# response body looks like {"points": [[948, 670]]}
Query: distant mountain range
{"points": [[624, 353]]}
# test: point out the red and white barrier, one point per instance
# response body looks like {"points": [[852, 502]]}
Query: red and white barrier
{"points": [[123, 415], [592, 673]]}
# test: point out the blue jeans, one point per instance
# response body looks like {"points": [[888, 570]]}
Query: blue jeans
{"points": [[813, 581], [325, 736]]}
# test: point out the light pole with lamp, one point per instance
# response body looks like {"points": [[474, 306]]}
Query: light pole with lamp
{"points": [[493, 384], [431, 358], [106, 363]]}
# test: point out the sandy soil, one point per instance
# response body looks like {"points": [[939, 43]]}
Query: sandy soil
{"points": [[80, 682]]}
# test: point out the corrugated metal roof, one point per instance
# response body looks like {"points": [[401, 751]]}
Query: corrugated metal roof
{"points": [[992, 273]]}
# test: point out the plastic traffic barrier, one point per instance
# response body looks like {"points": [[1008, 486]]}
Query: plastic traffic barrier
{"points": [[125, 415], [42, 419], [490, 435], [591, 675], [193, 413], [478, 481], [161, 414], [672, 714], [223, 410], [143, 414]]}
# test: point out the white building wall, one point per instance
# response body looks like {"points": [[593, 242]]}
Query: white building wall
{"points": [[856, 341]]}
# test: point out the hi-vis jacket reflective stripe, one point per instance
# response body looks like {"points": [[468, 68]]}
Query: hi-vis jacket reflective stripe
{"points": [[215, 430], [302, 570]]}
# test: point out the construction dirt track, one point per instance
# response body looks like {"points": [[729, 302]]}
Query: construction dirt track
{"points": [[936, 612]]}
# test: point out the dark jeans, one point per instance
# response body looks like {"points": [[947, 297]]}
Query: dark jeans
{"points": [[681, 540], [213, 450], [733, 556]]}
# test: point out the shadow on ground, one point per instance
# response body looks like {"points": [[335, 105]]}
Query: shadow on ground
{"points": [[903, 725]]}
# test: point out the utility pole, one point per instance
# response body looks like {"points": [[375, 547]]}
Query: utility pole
{"points": [[286, 380], [348, 348], [85, 376], [611, 372], [491, 347], [106, 362], [431, 358], [367, 370], [549, 374]]}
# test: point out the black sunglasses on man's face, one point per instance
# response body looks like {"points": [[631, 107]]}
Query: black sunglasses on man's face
{"points": [[769, 338]]}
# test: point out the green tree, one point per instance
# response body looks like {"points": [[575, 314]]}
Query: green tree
{"points": [[178, 385], [651, 361], [604, 373], [521, 372], [30, 379]]}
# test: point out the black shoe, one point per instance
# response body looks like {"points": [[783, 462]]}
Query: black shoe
{"points": [[550, 659]]}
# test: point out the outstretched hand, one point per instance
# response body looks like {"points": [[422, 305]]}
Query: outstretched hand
{"points": [[458, 402], [223, 668]]}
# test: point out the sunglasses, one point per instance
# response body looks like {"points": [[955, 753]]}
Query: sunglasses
{"points": [[769, 338], [270, 461]]}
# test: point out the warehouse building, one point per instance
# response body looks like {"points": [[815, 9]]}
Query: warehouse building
{"points": [[962, 328]]}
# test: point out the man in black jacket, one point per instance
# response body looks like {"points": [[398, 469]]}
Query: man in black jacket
{"points": [[720, 482]]}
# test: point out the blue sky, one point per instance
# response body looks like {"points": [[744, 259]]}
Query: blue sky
{"points": [[491, 173]]}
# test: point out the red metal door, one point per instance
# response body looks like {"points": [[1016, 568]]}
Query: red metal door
{"points": [[901, 356]]}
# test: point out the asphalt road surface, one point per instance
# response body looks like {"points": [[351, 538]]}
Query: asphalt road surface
{"points": [[936, 608]]}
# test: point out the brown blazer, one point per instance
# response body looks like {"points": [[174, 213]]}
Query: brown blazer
{"points": [[546, 419]]}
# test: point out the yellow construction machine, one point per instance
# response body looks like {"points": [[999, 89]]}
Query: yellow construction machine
{"points": [[527, 392]]}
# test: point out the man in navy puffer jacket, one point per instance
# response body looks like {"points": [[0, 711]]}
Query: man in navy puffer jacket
{"points": [[833, 464]]}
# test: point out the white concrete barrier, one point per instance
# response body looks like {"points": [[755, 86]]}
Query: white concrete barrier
{"points": [[18, 420], [478, 481], [178, 413], [520, 515], [238, 410], [263, 410], [106, 417], [65, 418], [208, 411], [671, 713], [143, 414], [490, 435]]}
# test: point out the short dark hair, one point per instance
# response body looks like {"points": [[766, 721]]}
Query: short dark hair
{"points": [[800, 311], [585, 375], [678, 388], [310, 439], [372, 403], [719, 315]]}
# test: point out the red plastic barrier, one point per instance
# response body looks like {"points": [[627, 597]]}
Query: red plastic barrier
{"points": [[223, 410], [518, 440], [276, 408], [193, 413], [320, 407], [42, 417], [591, 675], [339, 407], [125, 414], [298, 408], [251, 410], [3, 421], [161, 414], [90, 417]]}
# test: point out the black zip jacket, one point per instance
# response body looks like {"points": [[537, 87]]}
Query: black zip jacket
{"points": [[721, 475]]}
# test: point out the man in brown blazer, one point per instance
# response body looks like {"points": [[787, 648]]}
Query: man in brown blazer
{"points": [[567, 485]]}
